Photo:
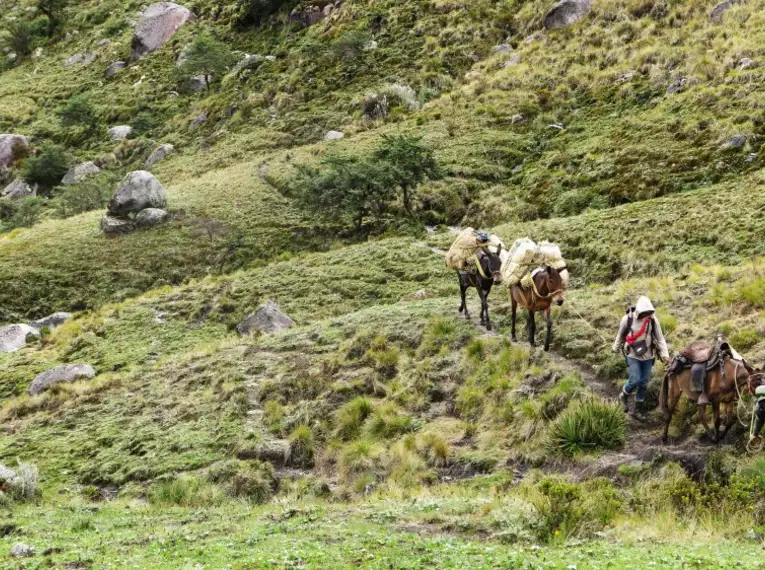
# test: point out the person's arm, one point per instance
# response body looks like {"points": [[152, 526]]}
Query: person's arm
{"points": [[661, 342], [619, 342]]}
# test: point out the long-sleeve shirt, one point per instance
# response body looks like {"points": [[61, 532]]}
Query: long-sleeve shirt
{"points": [[653, 336]]}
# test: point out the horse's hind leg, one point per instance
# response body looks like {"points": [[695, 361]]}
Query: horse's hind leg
{"points": [[705, 423], [485, 309], [729, 408], [532, 328], [463, 290], [672, 399], [716, 419], [482, 299], [548, 335], [513, 311]]}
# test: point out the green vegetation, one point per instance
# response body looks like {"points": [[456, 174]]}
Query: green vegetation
{"points": [[207, 57], [590, 426]]}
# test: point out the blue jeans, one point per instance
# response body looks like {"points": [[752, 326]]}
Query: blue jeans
{"points": [[640, 375]]}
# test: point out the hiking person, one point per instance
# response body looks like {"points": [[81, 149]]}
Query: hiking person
{"points": [[641, 340], [759, 415]]}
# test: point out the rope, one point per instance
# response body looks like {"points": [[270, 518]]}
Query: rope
{"points": [[751, 446], [478, 265], [605, 342]]}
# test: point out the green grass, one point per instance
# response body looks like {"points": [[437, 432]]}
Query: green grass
{"points": [[589, 426]]}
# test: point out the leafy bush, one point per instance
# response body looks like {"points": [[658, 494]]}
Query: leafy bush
{"points": [[358, 457], [754, 293], [744, 339], [22, 213], [47, 168], [20, 38], [349, 45], [54, 11], [88, 195], [588, 426], [435, 450], [206, 56], [78, 110], [254, 12], [410, 161]]}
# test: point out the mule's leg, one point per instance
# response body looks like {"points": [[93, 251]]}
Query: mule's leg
{"points": [[513, 313], [548, 336], [729, 409], [482, 299], [462, 293], [532, 328], [485, 309], [464, 284], [705, 423], [716, 420], [672, 400]]}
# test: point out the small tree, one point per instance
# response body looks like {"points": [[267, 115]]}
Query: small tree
{"points": [[208, 57], [410, 161], [345, 187], [254, 12], [78, 111], [47, 168], [20, 36], [54, 10]]}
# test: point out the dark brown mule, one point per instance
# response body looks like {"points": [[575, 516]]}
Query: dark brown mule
{"points": [[486, 275], [723, 388], [549, 286]]}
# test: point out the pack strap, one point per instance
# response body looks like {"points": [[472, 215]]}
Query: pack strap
{"points": [[478, 266]]}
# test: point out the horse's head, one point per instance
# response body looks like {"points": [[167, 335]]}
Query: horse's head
{"points": [[557, 279], [756, 378]]}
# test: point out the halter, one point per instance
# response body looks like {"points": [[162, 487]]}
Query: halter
{"points": [[537, 296]]}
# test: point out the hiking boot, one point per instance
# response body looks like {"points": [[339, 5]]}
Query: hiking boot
{"points": [[640, 412], [624, 398]]}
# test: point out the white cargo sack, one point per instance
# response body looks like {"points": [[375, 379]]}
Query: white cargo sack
{"points": [[517, 263]]}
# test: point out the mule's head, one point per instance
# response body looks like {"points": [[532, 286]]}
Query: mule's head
{"points": [[557, 279], [495, 264], [756, 379]]}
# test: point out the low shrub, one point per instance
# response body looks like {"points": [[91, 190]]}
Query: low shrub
{"points": [[588, 426], [47, 168], [91, 194], [358, 457], [744, 339]]}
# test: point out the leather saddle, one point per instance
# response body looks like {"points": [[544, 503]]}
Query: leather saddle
{"points": [[700, 357]]}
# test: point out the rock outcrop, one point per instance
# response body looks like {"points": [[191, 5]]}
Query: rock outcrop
{"points": [[139, 190], [12, 147], [157, 24], [160, 153], [267, 319], [716, 15], [17, 189], [333, 136], [150, 217], [64, 373], [51, 322], [21, 550], [14, 337], [567, 12], [80, 172], [115, 226]]}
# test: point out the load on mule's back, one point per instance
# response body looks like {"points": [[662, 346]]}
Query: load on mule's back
{"points": [[476, 256], [536, 276]]}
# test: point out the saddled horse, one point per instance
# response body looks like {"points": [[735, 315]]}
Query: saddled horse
{"points": [[486, 275], [724, 385], [547, 287]]}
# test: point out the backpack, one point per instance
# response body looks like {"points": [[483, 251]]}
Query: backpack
{"points": [[639, 347]]}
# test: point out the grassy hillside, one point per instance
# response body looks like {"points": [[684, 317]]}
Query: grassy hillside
{"points": [[382, 427]]}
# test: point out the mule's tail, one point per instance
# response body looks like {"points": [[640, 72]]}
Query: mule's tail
{"points": [[664, 394]]}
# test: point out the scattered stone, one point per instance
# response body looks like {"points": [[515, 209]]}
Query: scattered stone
{"points": [[120, 133], [517, 168], [137, 191], [270, 58], [567, 12], [513, 60], [676, 85], [115, 226], [17, 189], [65, 373], [150, 217], [14, 337], [716, 15], [21, 550], [198, 83], [103, 42], [503, 48], [334, 136], [517, 118], [160, 153], [115, 68], [420, 295], [80, 172], [200, 120], [38, 53], [734, 143], [8, 476], [751, 157], [371, 45], [745, 63], [310, 15], [624, 77], [156, 25], [51, 322], [430, 229], [89, 58], [13, 56], [11, 148], [76, 58], [267, 319]]}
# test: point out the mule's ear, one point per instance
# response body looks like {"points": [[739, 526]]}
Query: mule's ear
{"points": [[549, 270]]}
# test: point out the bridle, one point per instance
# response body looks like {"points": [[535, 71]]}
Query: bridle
{"points": [[537, 296]]}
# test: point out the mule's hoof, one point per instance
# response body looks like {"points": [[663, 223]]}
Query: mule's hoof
{"points": [[514, 339], [488, 327], [665, 440]]}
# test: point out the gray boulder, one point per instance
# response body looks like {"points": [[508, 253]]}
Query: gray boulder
{"points": [[116, 226], [120, 133], [139, 190], [716, 15], [334, 136], [17, 189], [14, 337], [51, 322], [75, 59], [745, 63], [198, 83], [115, 68], [89, 58], [8, 477], [21, 550], [514, 59], [267, 319], [11, 148], [734, 143], [80, 172], [200, 120], [156, 25], [64, 373], [567, 12], [160, 153], [150, 217]]}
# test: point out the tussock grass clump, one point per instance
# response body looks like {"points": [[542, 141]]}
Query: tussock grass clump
{"points": [[436, 451], [358, 457], [301, 445], [351, 417], [588, 426], [186, 491], [387, 421], [254, 481]]}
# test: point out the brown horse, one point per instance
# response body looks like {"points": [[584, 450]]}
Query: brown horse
{"points": [[724, 386], [548, 286]]}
